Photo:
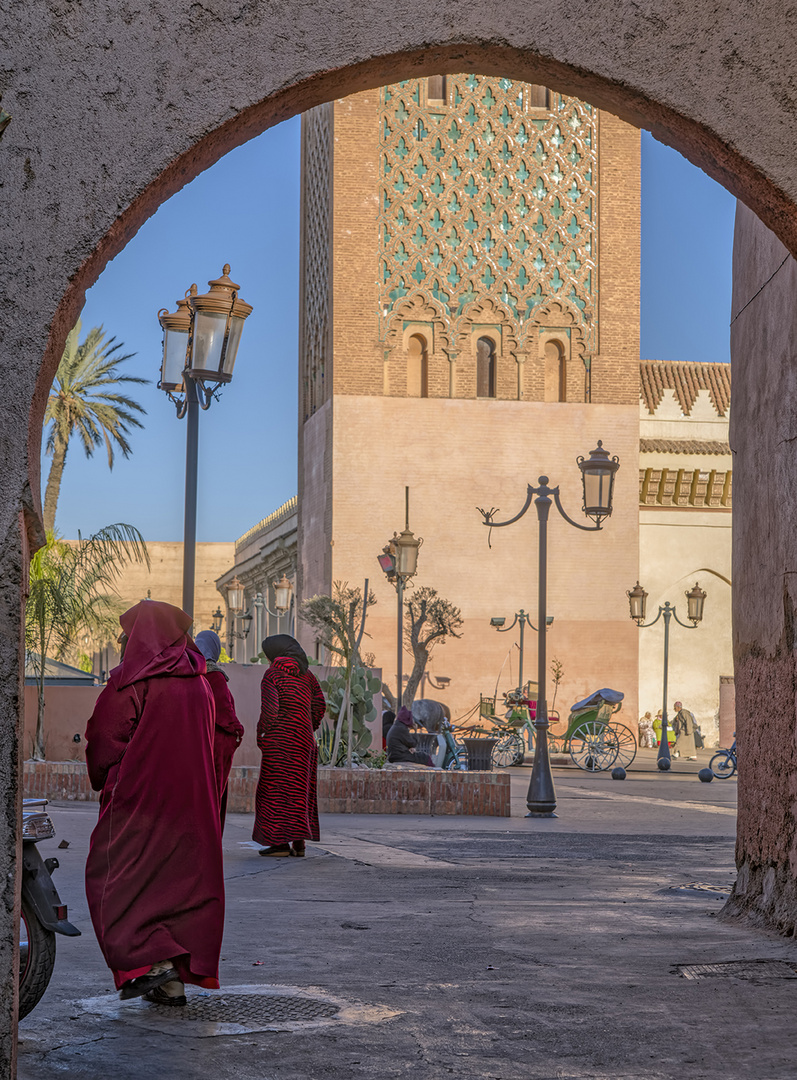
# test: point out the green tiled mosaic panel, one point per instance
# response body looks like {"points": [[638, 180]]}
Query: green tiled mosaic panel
{"points": [[485, 196]]}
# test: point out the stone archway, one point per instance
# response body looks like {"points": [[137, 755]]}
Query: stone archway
{"points": [[114, 108]]}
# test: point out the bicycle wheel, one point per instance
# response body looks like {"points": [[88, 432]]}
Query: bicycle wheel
{"points": [[594, 746], [626, 743], [507, 751], [723, 765]]}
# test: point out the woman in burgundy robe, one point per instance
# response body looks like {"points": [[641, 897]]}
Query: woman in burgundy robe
{"points": [[154, 875], [229, 730], [292, 707]]}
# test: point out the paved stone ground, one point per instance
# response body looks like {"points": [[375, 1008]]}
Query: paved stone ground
{"points": [[472, 947]]}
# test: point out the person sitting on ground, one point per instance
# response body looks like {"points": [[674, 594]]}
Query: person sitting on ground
{"points": [[401, 743]]}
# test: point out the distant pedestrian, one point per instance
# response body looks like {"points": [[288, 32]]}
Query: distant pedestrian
{"points": [[154, 876], [388, 716], [292, 707], [228, 730], [684, 727], [647, 736], [401, 743]]}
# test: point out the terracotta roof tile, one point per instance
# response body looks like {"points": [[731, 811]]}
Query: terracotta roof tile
{"points": [[683, 446], [686, 378]]}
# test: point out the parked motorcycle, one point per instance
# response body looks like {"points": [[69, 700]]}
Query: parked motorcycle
{"points": [[43, 915]]}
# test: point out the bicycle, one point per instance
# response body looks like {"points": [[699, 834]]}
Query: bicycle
{"points": [[723, 764]]}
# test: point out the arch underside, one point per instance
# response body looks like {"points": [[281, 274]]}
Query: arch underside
{"points": [[113, 111]]}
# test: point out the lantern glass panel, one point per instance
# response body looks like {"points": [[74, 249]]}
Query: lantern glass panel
{"points": [[598, 491], [233, 341], [282, 593], [209, 328], [695, 599], [637, 600], [175, 344], [235, 598], [407, 559]]}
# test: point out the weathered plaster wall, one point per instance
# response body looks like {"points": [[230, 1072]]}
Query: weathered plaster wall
{"points": [[115, 107], [763, 437], [468, 453]]}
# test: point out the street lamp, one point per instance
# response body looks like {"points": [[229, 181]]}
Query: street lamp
{"points": [[597, 476], [523, 618], [399, 560], [200, 344], [637, 601], [283, 592], [218, 619]]}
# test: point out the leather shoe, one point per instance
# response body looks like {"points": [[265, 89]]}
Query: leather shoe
{"points": [[276, 850], [144, 983]]}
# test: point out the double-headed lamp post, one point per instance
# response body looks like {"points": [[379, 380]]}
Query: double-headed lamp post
{"points": [[399, 560], [236, 602], [200, 344], [637, 600], [597, 475], [521, 617], [283, 593]]}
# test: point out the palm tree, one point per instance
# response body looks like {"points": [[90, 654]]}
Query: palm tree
{"points": [[81, 403], [73, 589]]}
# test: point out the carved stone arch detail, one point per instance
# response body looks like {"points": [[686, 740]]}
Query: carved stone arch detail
{"points": [[487, 318], [557, 349], [416, 316]]}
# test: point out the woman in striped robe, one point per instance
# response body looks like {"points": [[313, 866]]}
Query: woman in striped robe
{"points": [[292, 707]]}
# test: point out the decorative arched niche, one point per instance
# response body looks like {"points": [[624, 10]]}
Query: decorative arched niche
{"points": [[417, 354], [562, 374], [414, 351]]}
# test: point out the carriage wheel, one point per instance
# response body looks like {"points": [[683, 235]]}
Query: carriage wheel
{"points": [[627, 745], [509, 751], [594, 746]]}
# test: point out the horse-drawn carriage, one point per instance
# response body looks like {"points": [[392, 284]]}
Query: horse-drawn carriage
{"points": [[592, 736]]}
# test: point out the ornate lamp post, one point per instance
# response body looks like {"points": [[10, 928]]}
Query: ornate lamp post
{"points": [[523, 618], [283, 592], [399, 560], [200, 344], [597, 475], [637, 601]]}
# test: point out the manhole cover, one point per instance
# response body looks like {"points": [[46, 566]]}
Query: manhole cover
{"points": [[247, 1009], [701, 887], [241, 1010], [740, 969]]}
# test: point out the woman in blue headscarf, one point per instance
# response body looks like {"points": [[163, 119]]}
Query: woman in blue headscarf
{"points": [[228, 731]]}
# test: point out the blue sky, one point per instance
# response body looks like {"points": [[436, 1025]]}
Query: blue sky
{"points": [[245, 211]]}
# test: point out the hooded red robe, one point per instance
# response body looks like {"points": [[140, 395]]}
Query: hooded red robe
{"points": [[154, 874]]}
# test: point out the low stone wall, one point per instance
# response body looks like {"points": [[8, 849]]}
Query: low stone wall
{"points": [[377, 791], [340, 791]]}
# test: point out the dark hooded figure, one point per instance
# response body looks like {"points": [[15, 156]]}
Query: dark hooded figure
{"points": [[292, 707], [228, 731], [154, 875], [401, 743]]}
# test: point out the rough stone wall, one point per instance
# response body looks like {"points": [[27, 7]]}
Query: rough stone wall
{"points": [[615, 370], [116, 107], [763, 437]]}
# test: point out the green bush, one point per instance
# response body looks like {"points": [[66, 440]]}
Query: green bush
{"points": [[363, 687]]}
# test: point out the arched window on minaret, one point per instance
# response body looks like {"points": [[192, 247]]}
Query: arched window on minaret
{"points": [[417, 367], [436, 88], [555, 372], [485, 367]]}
